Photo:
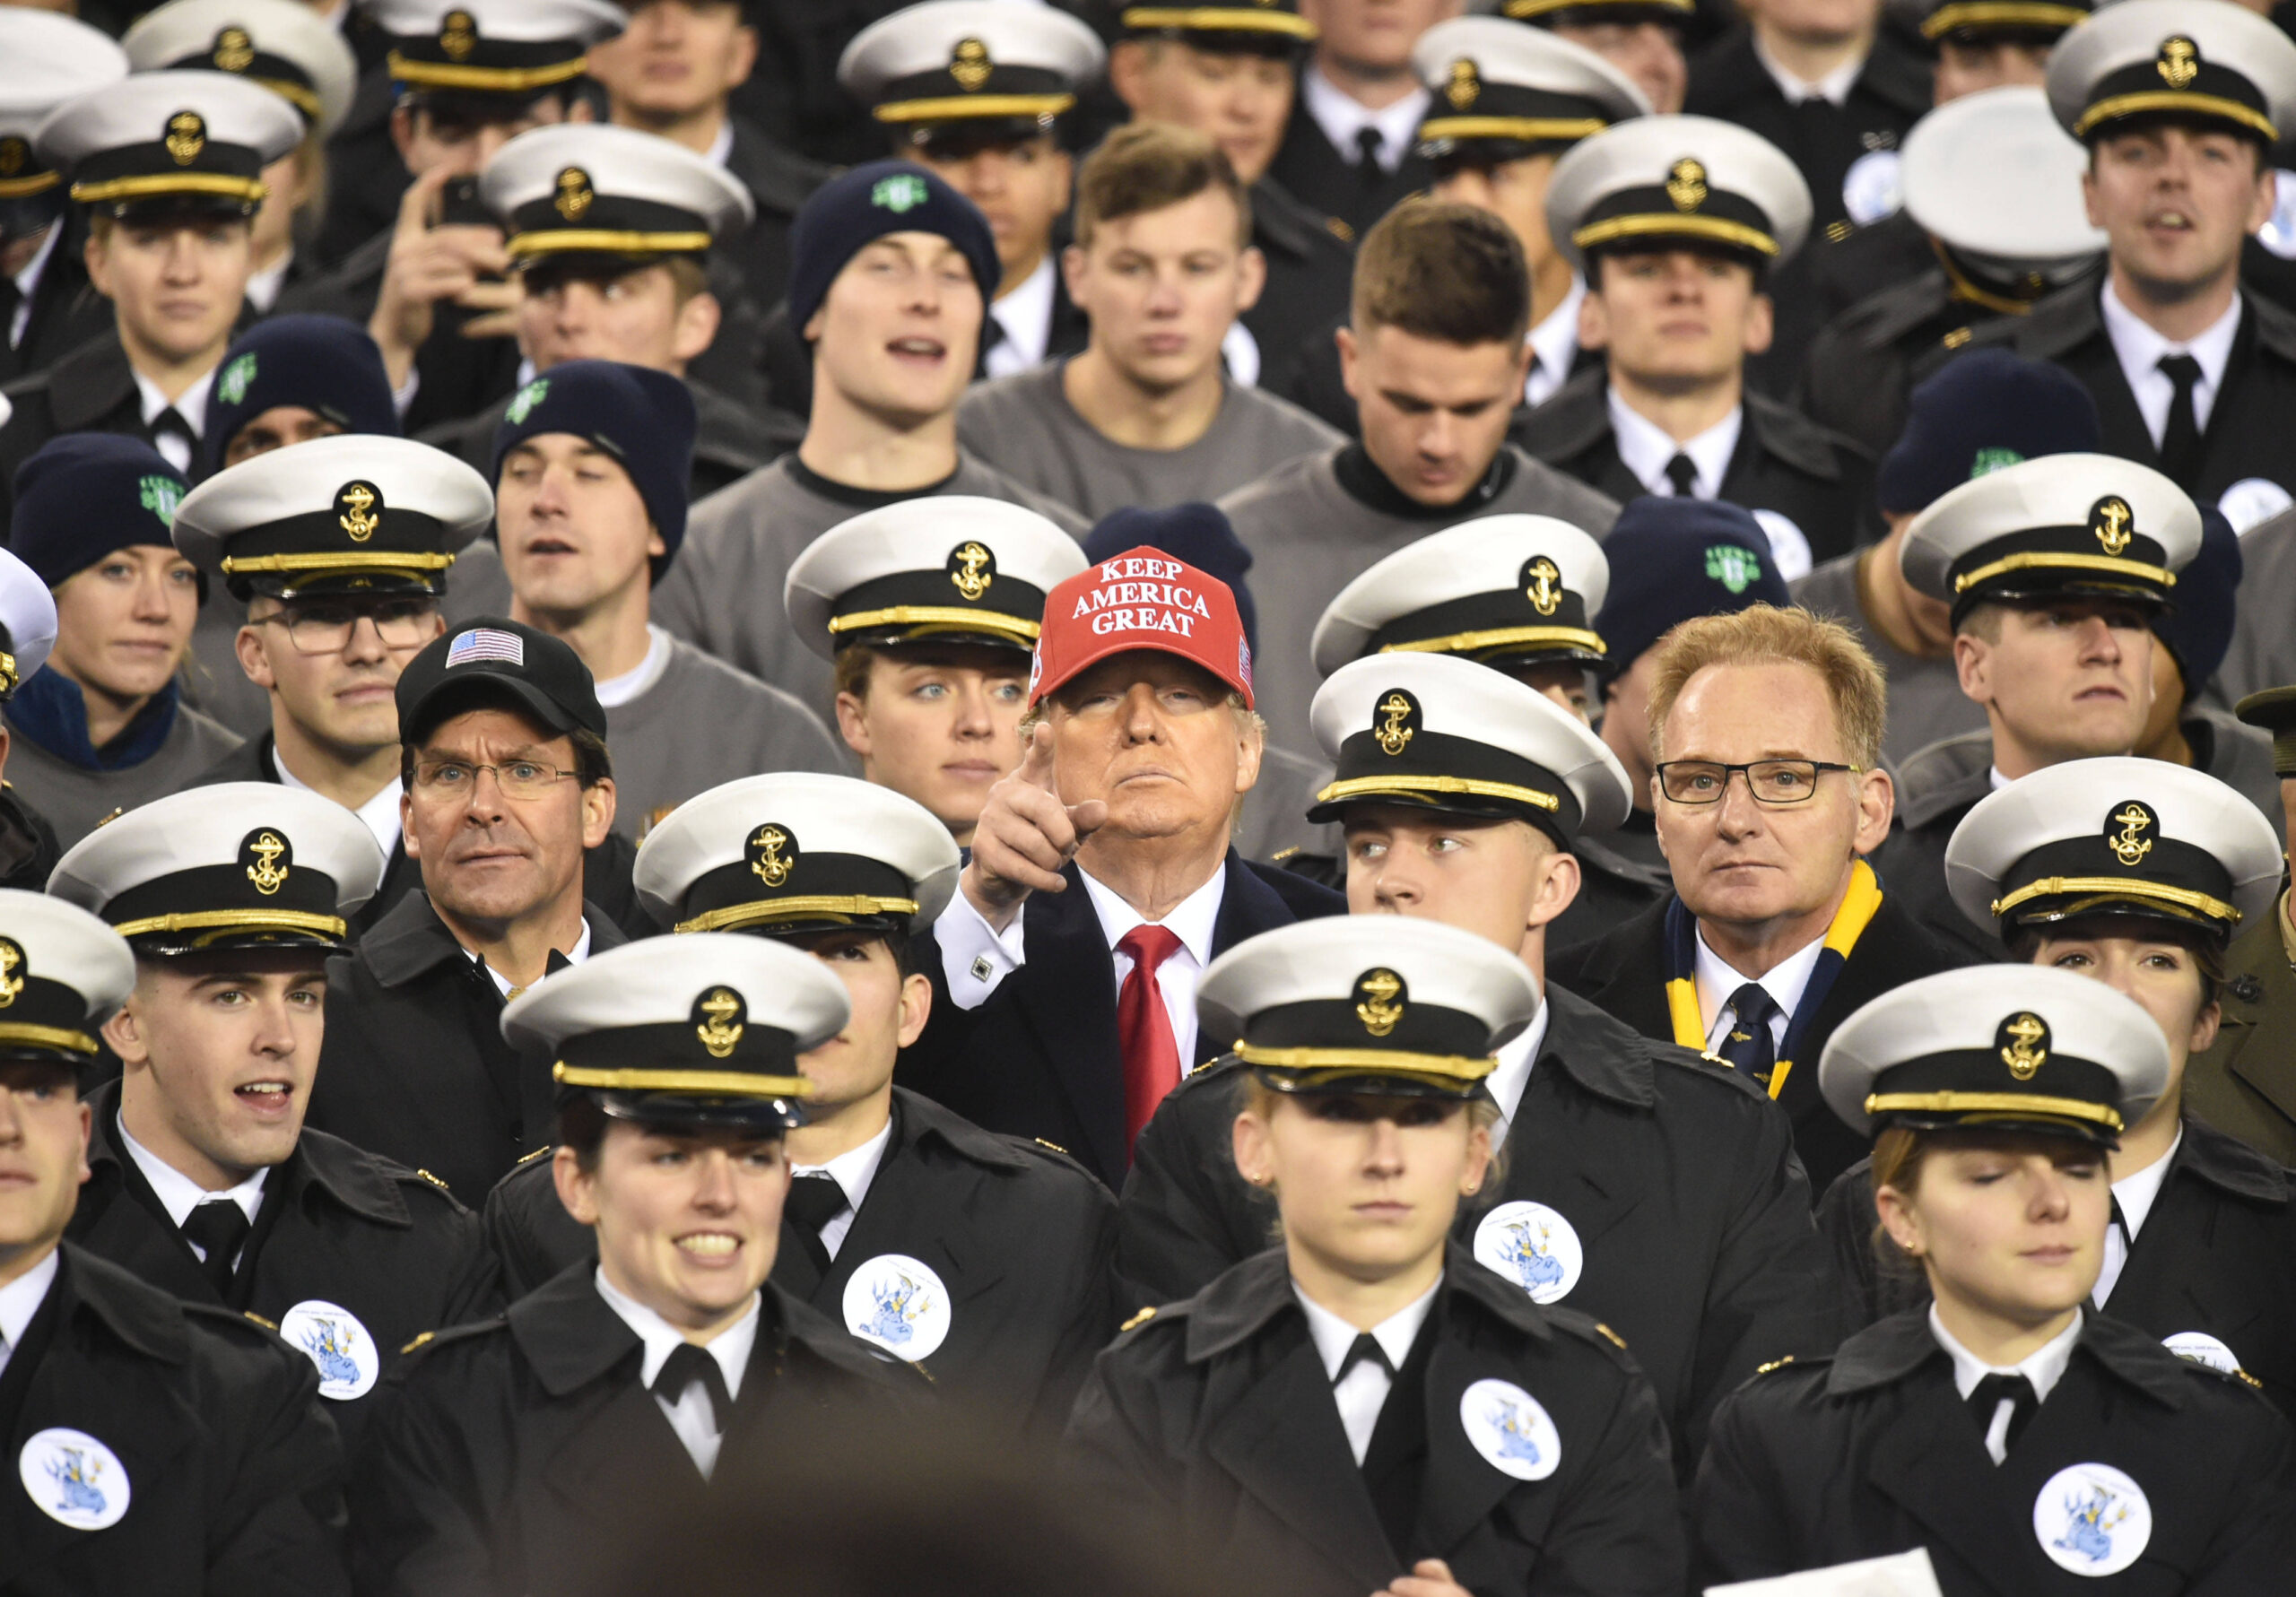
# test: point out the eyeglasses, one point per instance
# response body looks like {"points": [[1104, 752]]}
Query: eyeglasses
{"points": [[1772, 782], [458, 779], [320, 629]]}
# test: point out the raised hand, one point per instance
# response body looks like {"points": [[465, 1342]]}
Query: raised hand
{"points": [[1430, 1577], [1025, 835]]}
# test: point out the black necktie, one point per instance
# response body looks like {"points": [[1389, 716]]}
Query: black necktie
{"points": [[1369, 141], [815, 1200], [169, 424], [686, 1365], [1364, 1349], [1985, 1405], [217, 1227], [1681, 471], [1747, 1045], [2180, 439]]}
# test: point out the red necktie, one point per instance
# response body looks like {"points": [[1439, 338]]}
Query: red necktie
{"points": [[1143, 1031]]}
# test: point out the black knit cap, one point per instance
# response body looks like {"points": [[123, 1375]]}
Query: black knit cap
{"points": [[643, 418]]}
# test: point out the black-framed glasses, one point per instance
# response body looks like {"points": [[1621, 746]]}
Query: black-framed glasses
{"points": [[1773, 782], [324, 626], [458, 779]]}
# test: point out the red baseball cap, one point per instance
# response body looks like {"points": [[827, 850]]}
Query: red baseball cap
{"points": [[1141, 599]]}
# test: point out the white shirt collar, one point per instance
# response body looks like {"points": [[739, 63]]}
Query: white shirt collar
{"points": [[28, 282], [730, 1347], [178, 1193], [2044, 1366], [1026, 316], [1785, 983], [1341, 116], [192, 407], [2137, 1193], [853, 1171], [1507, 1083], [1993, 775], [574, 956], [1644, 448], [1334, 1336], [264, 287], [1833, 87], [2139, 349], [721, 148], [379, 814], [615, 691], [21, 1299], [1554, 345], [1191, 920]]}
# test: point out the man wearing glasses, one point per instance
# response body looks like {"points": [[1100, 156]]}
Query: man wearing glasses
{"points": [[1765, 731]]}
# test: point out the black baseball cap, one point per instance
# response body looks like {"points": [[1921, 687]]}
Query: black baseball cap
{"points": [[491, 659]]}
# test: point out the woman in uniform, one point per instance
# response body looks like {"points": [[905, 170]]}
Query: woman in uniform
{"points": [[1363, 1408], [2031, 1444], [2134, 873]]}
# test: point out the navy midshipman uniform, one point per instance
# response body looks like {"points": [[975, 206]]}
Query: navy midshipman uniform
{"points": [[1011, 1235], [49, 307], [1517, 1441], [1704, 1261], [161, 1447], [2120, 1467], [28, 846], [350, 1256]]}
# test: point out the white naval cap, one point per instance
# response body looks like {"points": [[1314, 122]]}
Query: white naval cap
{"points": [[2058, 525], [518, 47], [2207, 60], [280, 43], [356, 513], [1445, 734], [969, 61], [948, 567], [2011, 1048], [1369, 1003], [64, 972], [596, 188], [706, 1027], [1977, 20], [1505, 590], [27, 623], [796, 852], [169, 137], [1995, 177], [50, 59], [2120, 837], [1664, 182], [1495, 80], [232, 865]]}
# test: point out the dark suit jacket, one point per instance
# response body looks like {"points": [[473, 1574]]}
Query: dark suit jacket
{"points": [[1625, 973], [66, 310], [1865, 261], [1311, 270], [1040, 1057], [2245, 1083], [1866, 362], [779, 181], [1332, 182], [92, 389]]}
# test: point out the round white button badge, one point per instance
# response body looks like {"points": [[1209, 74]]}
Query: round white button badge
{"points": [[899, 1304], [2092, 1520], [1510, 1429], [331, 1336], [75, 1480], [2200, 1348], [1532, 1245]]}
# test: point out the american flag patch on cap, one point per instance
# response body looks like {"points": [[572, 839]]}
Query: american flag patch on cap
{"points": [[486, 643]]}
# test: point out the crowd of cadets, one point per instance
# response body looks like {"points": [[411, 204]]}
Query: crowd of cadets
{"points": [[705, 704]]}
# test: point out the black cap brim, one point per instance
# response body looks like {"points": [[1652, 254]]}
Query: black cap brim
{"points": [[472, 687]]}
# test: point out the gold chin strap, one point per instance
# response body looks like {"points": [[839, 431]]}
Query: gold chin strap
{"points": [[47, 1036], [1992, 1103], [716, 1083], [2111, 886], [803, 907], [1457, 1068]]}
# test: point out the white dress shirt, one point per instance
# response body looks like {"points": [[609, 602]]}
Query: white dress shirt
{"points": [[1785, 983], [1025, 315], [2044, 1366], [1506, 1083], [574, 956], [1240, 352], [853, 1170], [1554, 345], [1644, 449], [2140, 349], [192, 407], [1342, 116], [615, 691], [180, 1194], [721, 148], [1833, 87], [28, 284], [265, 286], [21, 1299], [691, 1416], [2134, 1195], [379, 814], [1364, 1392]]}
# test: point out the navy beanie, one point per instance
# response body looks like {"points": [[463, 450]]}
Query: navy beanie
{"points": [[1673, 560], [322, 363], [849, 211], [2197, 627], [1987, 410], [645, 419], [1198, 534], [85, 494]]}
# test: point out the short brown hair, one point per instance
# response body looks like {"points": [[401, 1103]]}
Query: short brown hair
{"points": [[1147, 166], [1443, 271], [1766, 635]]}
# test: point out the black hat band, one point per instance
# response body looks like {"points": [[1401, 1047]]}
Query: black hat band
{"points": [[1442, 771], [1685, 208], [235, 52], [2002, 16], [1524, 11], [2177, 83], [2128, 863], [183, 162], [360, 541], [1220, 19], [265, 896], [967, 595], [973, 86], [574, 216], [1468, 107], [1540, 620], [20, 172], [39, 1015], [779, 885]]}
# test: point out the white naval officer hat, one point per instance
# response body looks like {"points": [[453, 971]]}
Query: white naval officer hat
{"points": [[1505, 590], [281, 44], [2060, 525], [174, 139], [27, 623], [703, 1030], [1507, 84], [947, 568], [1445, 734], [796, 852], [2120, 837], [238, 864], [1369, 1004], [515, 48], [1672, 182], [358, 513], [2194, 60], [64, 972], [1994, 178], [593, 188], [2011, 1048], [950, 65], [52, 60]]}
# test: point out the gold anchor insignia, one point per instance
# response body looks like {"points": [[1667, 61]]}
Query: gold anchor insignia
{"points": [[2180, 62], [356, 502], [2024, 1052], [186, 136], [1544, 589], [11, 970], [234, 50], [970, 65], [1392, 733], [13, 152], [722, 1027], [2114, 523], [8, 677], [971, 570], [771, 867], [1379, 1009], [457, 34], [574, 194], [267, 873], [2127, 846], [1686, 184], [1465, 86]]}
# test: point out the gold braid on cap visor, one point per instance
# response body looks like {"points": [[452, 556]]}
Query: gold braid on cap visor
{"points": [[712, 1083], [1992, 1103]]}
